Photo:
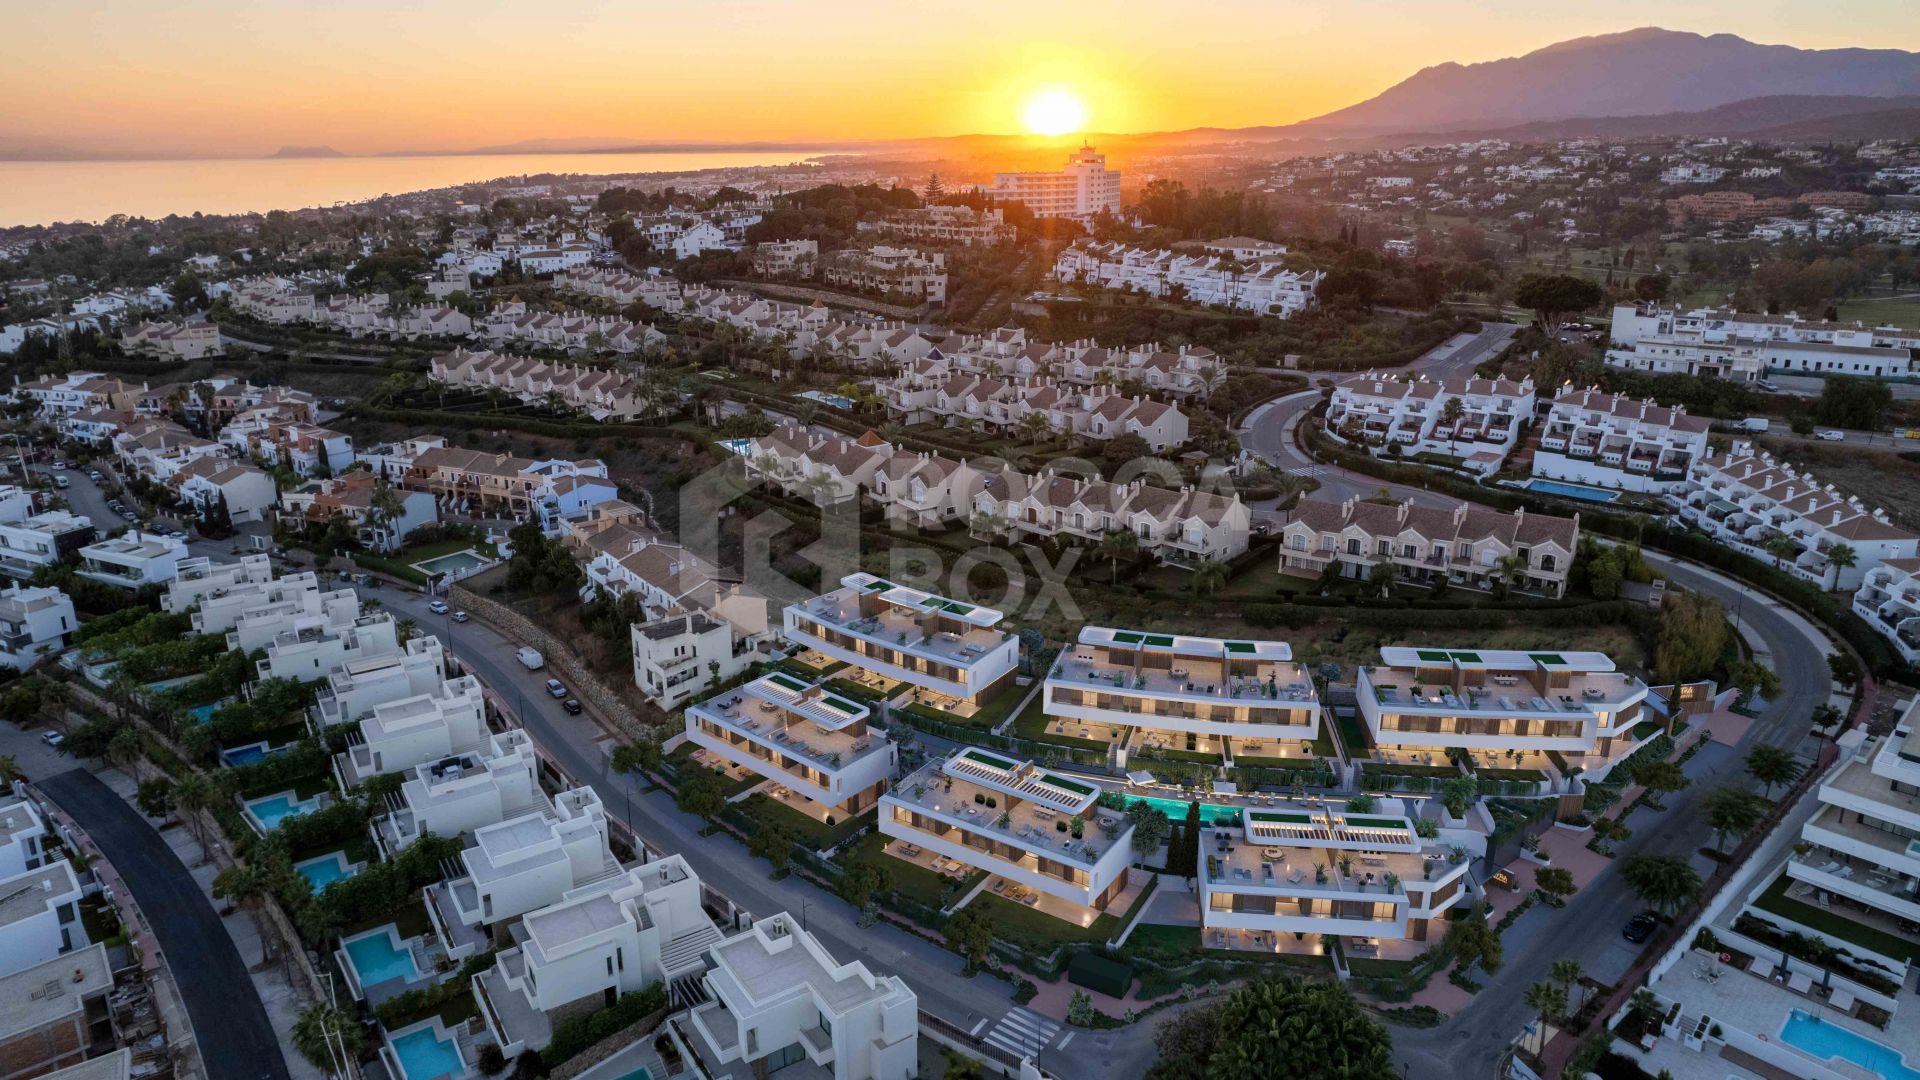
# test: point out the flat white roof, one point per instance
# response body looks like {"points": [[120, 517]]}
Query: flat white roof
{"points": [[920, 602], [1495, 659], [823, 707], [1186, 644], [1022, 780]]}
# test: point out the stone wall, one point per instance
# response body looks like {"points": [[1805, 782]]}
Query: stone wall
{"points": [[609, 1046], [516, 627]]}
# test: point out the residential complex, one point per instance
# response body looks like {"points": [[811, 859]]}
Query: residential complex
{"points": [[1146, 692], [1031, 828], [1889, 599], [952, 651], [1083, 188], [1745, 346], [403, 733], [1419, 703], [1593, 437], [1478, 421], [1263, 285], [1467, 546], [944, 225], [800, 736], [890, 271]]}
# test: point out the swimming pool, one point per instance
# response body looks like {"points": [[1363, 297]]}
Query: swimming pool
{"points": [[203, 713], [248, 754], [1210, 813], [377, 956], [1573, 491], [452, 562], [326, 869], [424, 1055], [737, 446], [1828, 1041], [270, 811]]}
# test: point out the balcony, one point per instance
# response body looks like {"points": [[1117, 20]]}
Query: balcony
{"points": [[1824, 869]]}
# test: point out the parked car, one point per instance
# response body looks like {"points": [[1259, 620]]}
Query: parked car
{"points": [[1830, 436], [572, 705], [556, 688], [93, 474], [1640, 927], [459, 616], [531, 658], [62, 482], [54, 739], [438, 607]]}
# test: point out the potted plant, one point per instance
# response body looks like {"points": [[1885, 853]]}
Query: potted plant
{"points": [[1320, 873], [1079, 826], [1392, 881]]}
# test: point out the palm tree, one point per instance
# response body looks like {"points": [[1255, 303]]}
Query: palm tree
{"points": [[1780, 546], [1507, 572], [195, 793], [1545, 999], [1117, 544], [1772, 765], [54, 699], [1731, 811], [1665, 883], [1450, 416], [981, 524], [1840, 557], [126, 751], [384, 507], [1209, 575], [1567, 972], [329, 1038], [244, 885], [1033, 427]]}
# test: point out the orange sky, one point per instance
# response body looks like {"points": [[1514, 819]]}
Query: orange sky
{"points": [[229, 77]]}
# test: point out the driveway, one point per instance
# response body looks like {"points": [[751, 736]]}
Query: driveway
{"points": [[236, 1040]]}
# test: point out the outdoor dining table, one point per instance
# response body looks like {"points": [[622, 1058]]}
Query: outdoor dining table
{"points": [[1273, 853]]}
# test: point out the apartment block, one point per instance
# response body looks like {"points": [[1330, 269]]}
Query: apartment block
{"points": [[41, 1031], [1263, 285], [1145, 691], [801, 737], [1466, 546], [1419, 703], [944, 225], [1292, 872], [1083, 188], [1036, 830], [904, 635], [643, 926], [1608, 441], [777, 998], [1745, 345], [891, 271]]}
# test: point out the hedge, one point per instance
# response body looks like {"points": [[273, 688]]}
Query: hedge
{"points": [[575, 1035], [1101, 973]]}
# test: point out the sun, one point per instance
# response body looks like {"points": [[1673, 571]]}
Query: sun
{"points": [[1054, 112]]}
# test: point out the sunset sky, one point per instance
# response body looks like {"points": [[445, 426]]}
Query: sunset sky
{"points": [[242, 77]]}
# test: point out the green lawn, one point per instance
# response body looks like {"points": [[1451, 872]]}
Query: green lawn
{"points": [[1032, 724], [1776, 900], [985, 718], [1381, 768], [1353, 732], [814, 834], [1367, 967], [1035, 930], [808, 671], [1174, 945], [855, 690], [400, 564], [913, 882], [1882, 310]]}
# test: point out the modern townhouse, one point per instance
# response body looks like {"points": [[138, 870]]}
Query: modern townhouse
{"points": [[1775, 513], [890, 271], [952, 651], [1291, 874], [1753, 344], [312, 506], [42, 539], [1037, 831], [1593, 437], [643, 926], [246, 491], [23, 835], [354, 689], [198, 578], [171, 341], [40, 915], [961, 225], [1146, 692], [256, 617], [1083, 188], [777, 998], [1889, 599], [1476, 420], [33, 623], [456, 795], [522, 863], [277, 438], [16, 504], [814, 746], [316, 646], [41, 1031], [55, 396], [1467, 546], [132, 559], [1856, 863], [1420, 703], [403, 733]]}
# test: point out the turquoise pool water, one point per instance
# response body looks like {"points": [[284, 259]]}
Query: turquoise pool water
{"points": [[1573, 491], [325, 870], [1828, 1041], [637, 1074], [450, 562], [203, 713], [274, 809], [424, 1055], [375, 959], [1210, 813], [248, 754]]}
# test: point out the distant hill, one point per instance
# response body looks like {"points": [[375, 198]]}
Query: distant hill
{"points": [[1642, 72], [1781, 117], [306, 152]]}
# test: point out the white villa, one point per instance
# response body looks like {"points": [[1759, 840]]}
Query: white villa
{"points": [[800, 736], [406, 732], [903, 635]]}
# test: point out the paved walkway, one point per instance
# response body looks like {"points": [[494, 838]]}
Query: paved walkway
{"points": [[236, 1041]]}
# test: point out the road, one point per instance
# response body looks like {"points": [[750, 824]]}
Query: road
{"points": [[580, 748], [236, 1040]]}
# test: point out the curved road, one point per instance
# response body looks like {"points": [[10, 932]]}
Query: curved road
{"points": [[1471, 1042]]}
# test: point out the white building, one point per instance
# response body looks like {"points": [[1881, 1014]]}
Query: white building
{"points": [[42, 540], [401, 734], [133, 559], [1291, 872], [1413, 414], [198, 578], [1889, 599], [1607, 441], [354, 689], [1744, 345], [252, 615], [677, 657], [1032, 828], [529, 861], [456, 795], [1469, 546], [801, 737], [1502, 704], [1083, 188], [1144, 691], [23, 835], [778, 998], [40, 916], [33, 623], [1264, 285], [941, 646], [308, 635]]}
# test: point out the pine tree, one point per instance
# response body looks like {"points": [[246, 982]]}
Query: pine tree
{"points": [[935, 189]]}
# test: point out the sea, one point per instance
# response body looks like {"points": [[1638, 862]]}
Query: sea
{"points": [[43, 192]]}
